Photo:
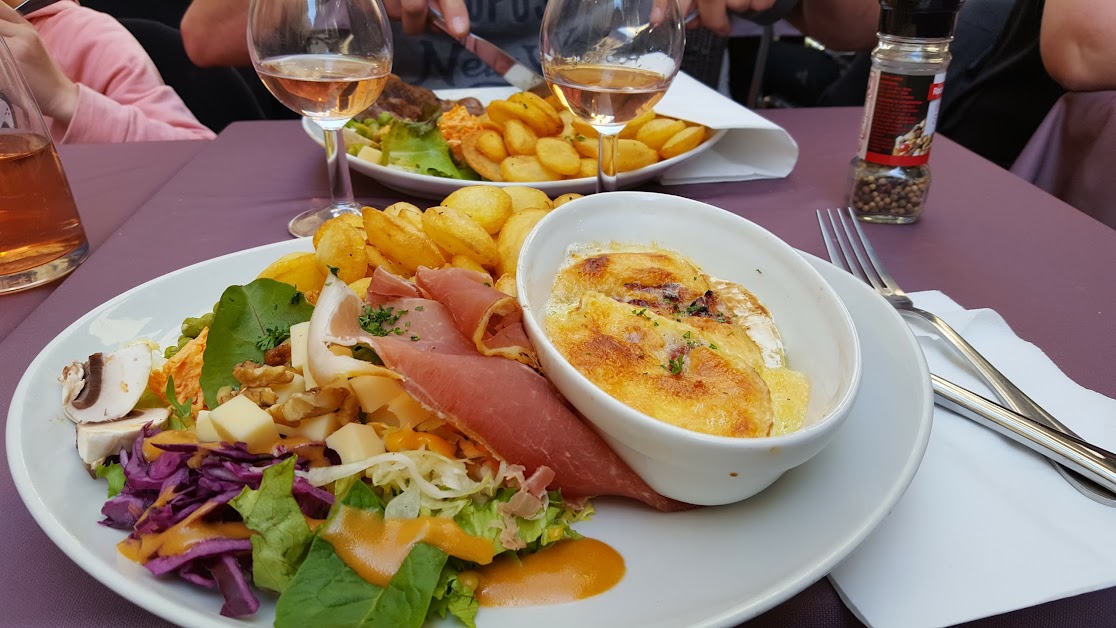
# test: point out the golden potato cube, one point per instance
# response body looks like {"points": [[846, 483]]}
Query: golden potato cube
{"points": [[341, 247], [459, 234], [401, 242], [298, 269], [511, 238]]}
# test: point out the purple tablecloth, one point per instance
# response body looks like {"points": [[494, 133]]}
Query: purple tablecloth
{"points": [[110, 182], [988, 240]]}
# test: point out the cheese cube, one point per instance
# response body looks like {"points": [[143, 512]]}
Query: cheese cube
{"points": [[298, 348], [369, 154], [203, 428], [408, 411], [284, 392], [374, 392], [240, 420], [317, 428], [355, 441]]}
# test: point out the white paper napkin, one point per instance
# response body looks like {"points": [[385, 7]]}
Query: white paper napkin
{"points": [[986, 526], [753, 147]]}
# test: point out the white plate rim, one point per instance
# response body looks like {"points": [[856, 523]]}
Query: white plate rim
{"points": [[168, 607], [438, 187]]}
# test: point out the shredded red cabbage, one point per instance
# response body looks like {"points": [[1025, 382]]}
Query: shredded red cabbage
{"points": [[221, 475]]}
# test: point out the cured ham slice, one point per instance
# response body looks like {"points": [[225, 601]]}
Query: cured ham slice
{"points": [[487, 316], [501, 404], [516, 414]]}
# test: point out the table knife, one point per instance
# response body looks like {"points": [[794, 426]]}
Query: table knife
{"points": [[30, 6], [496, 58], [1090, 461]]}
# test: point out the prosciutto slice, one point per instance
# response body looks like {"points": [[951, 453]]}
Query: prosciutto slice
{"points": [[487, 316], [501, 404]]}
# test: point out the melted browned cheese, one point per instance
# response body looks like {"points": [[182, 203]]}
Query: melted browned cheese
{"points": [[656, 333]]}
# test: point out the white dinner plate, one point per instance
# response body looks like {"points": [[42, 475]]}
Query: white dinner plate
{"points": [[437, 188], [706, 567]]}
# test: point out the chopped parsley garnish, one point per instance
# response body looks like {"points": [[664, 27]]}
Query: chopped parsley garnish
{"points": [[419, 308], [381, 321], [675, 364], [641, 313], [414, 338], [273, 338], [686, 335], [712, 346]]}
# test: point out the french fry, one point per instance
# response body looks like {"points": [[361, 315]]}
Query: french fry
{"points": [[489, 206], [401, 242], [453, 230]]}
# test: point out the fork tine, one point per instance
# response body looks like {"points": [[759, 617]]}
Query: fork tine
{"points": [[866, 268], [847, 251], [830, 245], [876, 264]]}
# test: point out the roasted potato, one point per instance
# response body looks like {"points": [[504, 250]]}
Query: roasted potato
{"points": [[683, 141], [360, 286], [489, 206], [519, 138], [634, 154], [406, 211], [630, 129], [557, 155], [492, 146], [477, 159], [587, 146], [376, 259], [401, 242], [341, 246], [453, 230], [565, 198], [353, 219], [506, 284], [460, 261], [527, 198], [301, 270], [511, 238], [537, 113], [656, 132], [526, 169], [588, 167]]}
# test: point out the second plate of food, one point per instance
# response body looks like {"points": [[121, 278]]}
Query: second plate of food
{"points": [[433, 187]]}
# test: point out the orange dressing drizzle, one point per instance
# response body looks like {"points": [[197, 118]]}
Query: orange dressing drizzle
{"points": [[564, 572], [375, 547], [180, 537]]}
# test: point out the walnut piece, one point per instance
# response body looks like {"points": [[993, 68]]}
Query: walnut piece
{"points": [[253, 375], [309, 404]]}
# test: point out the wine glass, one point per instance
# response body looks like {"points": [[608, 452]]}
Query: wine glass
{"points": [[328, 60], [609, 61]]}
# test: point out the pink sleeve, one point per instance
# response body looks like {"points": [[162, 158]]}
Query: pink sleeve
{"points": [[122, 97]]}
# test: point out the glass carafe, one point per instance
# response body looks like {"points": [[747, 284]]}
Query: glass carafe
{"points": [[41, 237]]}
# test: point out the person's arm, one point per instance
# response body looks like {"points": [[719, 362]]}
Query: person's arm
{"points": [[847, 25], [215, 33], [1078, 43]]}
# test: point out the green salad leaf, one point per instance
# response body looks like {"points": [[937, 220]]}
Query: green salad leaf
{"points": [[554, 525], [420, 146], [247, 317], [455, 596], [282, 536], [114, 473], [326, 592]]}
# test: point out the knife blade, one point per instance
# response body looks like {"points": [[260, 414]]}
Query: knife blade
{"points": [[1090, 461], [30, 6], [497, 58]]}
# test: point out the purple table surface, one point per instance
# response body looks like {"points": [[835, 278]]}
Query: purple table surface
{"points": [[109, 182], [988, 239]]}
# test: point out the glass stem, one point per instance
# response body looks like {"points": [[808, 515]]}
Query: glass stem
{"points": [[606, 162], [340, 187]]}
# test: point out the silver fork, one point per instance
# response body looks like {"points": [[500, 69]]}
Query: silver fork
{"points": [[848, 246]]}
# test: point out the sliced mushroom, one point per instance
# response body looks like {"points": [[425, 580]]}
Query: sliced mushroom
{"points": [[97, 441], [107, 386]]}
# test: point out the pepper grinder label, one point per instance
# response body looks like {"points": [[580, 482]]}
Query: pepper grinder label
{"points": [[900, 113]]}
